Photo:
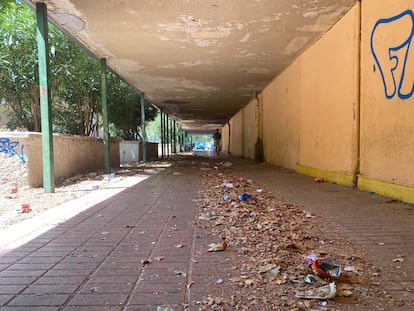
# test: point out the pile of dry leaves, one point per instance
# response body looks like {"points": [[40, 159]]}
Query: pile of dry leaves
{"points": [[273, 240]]}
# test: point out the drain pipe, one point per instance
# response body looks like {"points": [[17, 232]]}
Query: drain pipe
{"points": [[228, 143], [258, 156], [357, 105]]}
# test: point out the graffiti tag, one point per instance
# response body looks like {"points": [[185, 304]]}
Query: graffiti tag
{"points": [[391, 48], [9, 148]]}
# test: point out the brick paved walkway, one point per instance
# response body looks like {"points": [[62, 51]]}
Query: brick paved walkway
{"points": [[96, 260], [379, 226]]}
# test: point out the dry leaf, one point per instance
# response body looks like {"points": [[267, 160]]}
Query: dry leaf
{"points": [[217, 247]]}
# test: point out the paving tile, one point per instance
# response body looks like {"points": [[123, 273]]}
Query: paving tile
{"points": [[107, 288], [4, 298], [39, 300], [30, 308], [157, 299], [94, 308], [153, 307], [17, 280], [45, 280], [97, 299], [38, 289]]}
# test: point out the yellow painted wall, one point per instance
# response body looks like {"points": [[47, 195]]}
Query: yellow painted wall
{"points": [[347, 99], [387, 124], [280, 118], [329, 99]]}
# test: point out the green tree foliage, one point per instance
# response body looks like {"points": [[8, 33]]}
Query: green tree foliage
{"points": [[74, 81], [18, 76], [124, 109]]}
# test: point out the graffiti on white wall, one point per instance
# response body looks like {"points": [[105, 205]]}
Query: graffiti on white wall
{"points": [[391, 47], [9, 148]]}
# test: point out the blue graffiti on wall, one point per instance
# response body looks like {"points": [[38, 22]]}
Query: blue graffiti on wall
{"points": [[9, 148], [394, 61]]}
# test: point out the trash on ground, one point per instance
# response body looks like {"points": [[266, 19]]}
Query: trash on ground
{"points": [[14, 189], [227, 185], [219, 281], [227, 164], [159, 258], [324, 292], [217, 247], [180, 273], [146, 261], [319, 180], [324, 267], [245, 197], [26, 208]]}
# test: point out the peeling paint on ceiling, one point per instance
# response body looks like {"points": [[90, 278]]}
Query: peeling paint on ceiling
{"points": [[198, 60]]}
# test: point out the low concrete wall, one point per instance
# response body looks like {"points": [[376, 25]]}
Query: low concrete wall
{"points": [[72, 154], [131, 151]]}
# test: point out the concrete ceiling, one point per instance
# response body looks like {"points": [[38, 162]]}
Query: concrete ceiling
{"points": [[198, 60]]}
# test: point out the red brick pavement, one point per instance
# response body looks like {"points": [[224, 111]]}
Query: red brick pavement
{"points": [[96, 260]]}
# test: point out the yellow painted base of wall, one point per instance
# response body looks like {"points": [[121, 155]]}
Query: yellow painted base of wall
{"points": [[338, 178], [403, 193]]}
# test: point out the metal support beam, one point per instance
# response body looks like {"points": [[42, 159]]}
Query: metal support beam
{"points": [[167, 135], [175, 136], [105, 123], [162, 133], [143, 131], [45, 103]]}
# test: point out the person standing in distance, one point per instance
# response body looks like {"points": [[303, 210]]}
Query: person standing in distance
{"points": [[217, 138]]}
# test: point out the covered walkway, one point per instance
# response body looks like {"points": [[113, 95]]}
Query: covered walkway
{"points": [[146, 247]]}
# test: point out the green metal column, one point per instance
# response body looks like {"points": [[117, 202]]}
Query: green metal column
{"points": [[162, 134], [45, 104], [168, 136], [143, 131], [105, 123], [175, 136]]}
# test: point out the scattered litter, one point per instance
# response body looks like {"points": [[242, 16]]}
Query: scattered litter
{"points": [[324, 292], [179, 246], [146, 261], [219, 281], [226, 196], [105, 232], [26, 208], [245, 197], [227, 164], [324, 267], [159, 258], [180, 273], [260, 190], [398, 259], [319, 180], [227, 185], [109, 176], [94, 289], [129, 226], [350, 269], [14, 189], [217, 247]]}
